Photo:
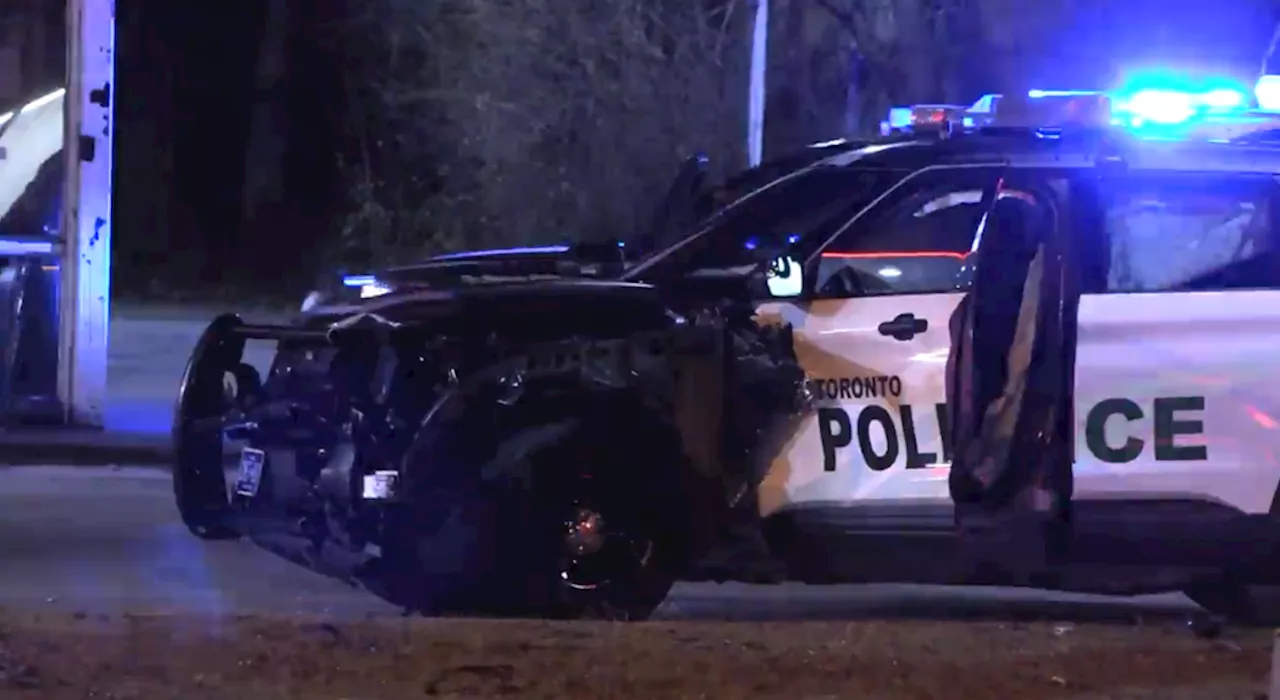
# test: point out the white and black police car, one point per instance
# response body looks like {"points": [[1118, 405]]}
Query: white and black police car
{"points": [[1042, 327], [1108, 420]]}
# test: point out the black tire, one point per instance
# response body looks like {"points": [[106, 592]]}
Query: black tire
{"points": [[478, 545]]}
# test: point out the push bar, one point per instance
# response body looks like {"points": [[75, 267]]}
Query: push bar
{"points": [[274, 332]]}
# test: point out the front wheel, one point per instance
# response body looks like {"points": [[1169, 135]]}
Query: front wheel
{"points": [[584, 528]]}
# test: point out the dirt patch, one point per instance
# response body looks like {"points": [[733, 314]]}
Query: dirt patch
{"points": [[261, 658]]}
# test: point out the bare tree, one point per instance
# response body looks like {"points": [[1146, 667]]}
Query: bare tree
{"points": [[913, 51], [902, 47], [484, 122], [1270, 52]]}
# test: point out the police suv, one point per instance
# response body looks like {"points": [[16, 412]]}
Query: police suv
{"points": [[1031, 349], [1098, 415]]}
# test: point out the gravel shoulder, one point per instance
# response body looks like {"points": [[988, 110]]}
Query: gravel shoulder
{"points": [[261, 657]]}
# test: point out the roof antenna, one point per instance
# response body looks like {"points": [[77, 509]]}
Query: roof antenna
{"points": [[1271, 50]]}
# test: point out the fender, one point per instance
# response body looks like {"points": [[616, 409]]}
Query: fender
{"points": [[677, 373], [512, 460], [493, 423], [547, 309], [480, 433], [489, 425]]}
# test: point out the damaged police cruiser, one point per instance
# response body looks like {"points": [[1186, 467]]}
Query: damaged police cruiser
{"points": [[1034, 352]]}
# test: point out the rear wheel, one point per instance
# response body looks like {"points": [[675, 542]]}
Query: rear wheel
{"points": [[581, 529]]}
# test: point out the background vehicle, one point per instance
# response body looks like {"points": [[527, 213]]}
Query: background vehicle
{"points": [[571, 446], [31, 172]]}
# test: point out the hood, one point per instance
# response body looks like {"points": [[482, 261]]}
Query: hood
{"points": [[469, 302], [481, 268], [590, 260]]}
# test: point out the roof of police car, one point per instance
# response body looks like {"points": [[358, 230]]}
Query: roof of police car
{"points": [[1040, 149]]}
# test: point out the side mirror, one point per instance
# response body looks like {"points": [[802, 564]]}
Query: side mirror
{"points": [[785, 277]]}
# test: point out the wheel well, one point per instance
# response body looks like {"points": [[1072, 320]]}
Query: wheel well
{"points": [[484, 441], [651, 462]]}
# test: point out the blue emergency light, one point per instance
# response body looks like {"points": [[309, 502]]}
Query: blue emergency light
{"points": [[1153, 105], [1267, 92], [358, 280], [1170, 99]]}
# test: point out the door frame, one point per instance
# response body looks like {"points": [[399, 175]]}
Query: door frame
{"points": [[1011, 478]]}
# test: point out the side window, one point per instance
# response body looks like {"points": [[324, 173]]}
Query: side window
{"points": [[919, 240], [789, 212], [1189, 233]]}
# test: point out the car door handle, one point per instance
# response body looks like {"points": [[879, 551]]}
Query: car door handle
{"points": [[904, 327]]}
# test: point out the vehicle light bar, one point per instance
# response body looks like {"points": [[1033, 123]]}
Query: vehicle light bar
{"points": [[1159, 104], [1267, 92], [920, 118], [1050, 109]]}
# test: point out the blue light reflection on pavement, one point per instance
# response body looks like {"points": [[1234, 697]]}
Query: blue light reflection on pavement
{"points": [[109, 541]]}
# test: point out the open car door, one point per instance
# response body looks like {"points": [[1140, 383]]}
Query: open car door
{"points": [[1008, 384]]}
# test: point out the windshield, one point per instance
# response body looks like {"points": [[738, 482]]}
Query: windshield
{"points": [[795, 210]]}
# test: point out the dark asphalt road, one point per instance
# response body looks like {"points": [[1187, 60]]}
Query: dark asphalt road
{"points": [[108, 540]]}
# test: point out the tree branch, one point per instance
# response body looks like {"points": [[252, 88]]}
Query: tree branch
{"points": [[1271, 50], [842, 15]]}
